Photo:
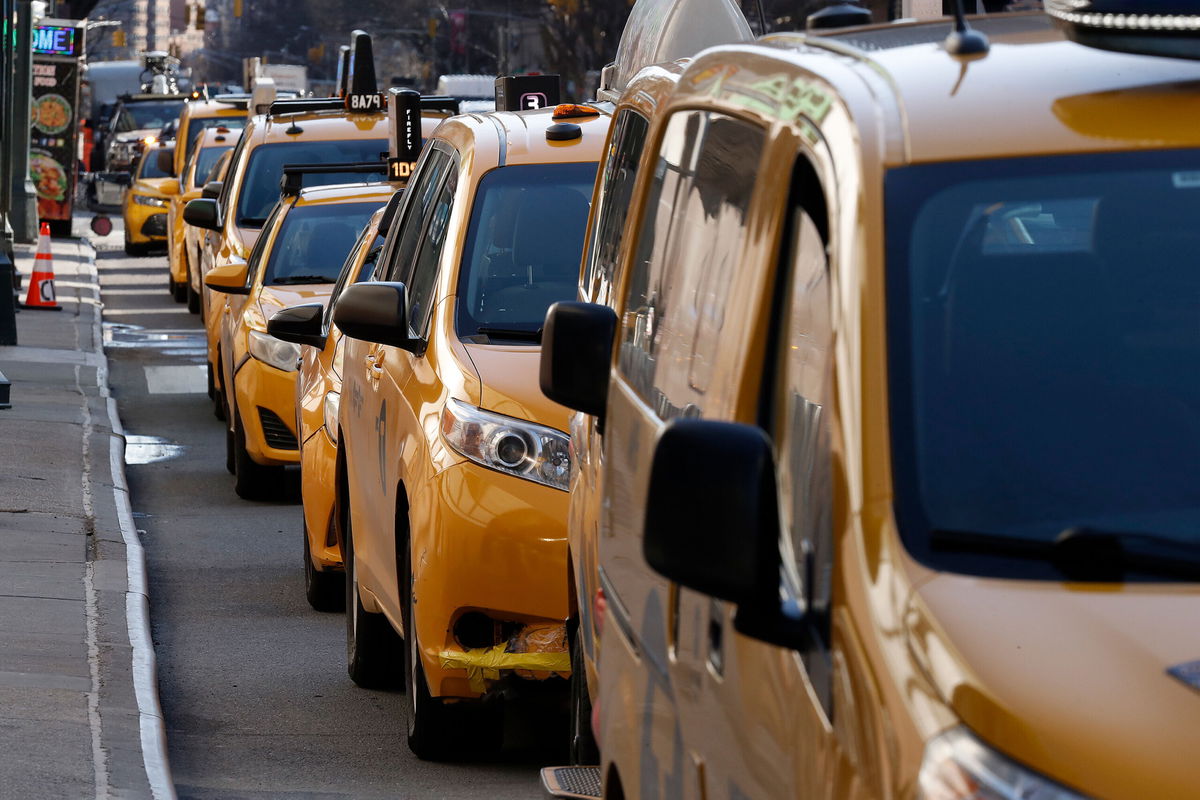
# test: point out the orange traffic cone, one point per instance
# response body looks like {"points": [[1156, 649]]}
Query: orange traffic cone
{"points": [[41, 283]]}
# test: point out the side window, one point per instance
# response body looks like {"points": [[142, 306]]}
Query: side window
{"points": [[425, 267], [692, 234], [799, 422], [238, 150], [256, 260], [420, 193], [616, 189]]}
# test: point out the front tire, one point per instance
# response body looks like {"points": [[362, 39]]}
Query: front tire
{"points": [[584, 751], [325, 590], [179, 291], [193, 300], [440, 731], [374, 655], [251, 480]]}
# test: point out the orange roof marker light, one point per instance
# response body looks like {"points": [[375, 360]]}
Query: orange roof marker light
{"points": [[569, 110]]}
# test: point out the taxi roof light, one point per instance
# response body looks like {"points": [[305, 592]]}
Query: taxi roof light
{"points": [[1156, 28], [569, 110]]}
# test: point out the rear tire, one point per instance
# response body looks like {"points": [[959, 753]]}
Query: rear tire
{"points": [[325, 590], [193, 300], [374, 653], [251, 480], [179, 291]]}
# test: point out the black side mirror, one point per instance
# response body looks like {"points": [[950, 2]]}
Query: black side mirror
{"points": [[389, 212], [298, 324], [577, 343], [119, 178], [211, 190], [165, 160], [376, 311], [716, 530], [203, 212]]}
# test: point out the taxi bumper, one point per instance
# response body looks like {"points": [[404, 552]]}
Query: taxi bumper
{"points": [[490, 544], [266, 403], [144, 223], [318, 468]]}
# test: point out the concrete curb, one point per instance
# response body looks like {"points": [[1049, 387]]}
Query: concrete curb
{"points": [[152, 726]]}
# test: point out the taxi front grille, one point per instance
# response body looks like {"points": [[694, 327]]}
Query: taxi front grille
{"points": [[275, 432]]}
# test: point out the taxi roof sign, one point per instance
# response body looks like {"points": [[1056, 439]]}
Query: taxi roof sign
{"points": [[1147, 27], [362, 65]]}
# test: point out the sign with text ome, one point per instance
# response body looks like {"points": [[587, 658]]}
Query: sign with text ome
{"points": [[58, 38]]}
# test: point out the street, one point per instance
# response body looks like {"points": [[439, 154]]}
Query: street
{"points": [[253, 681]]}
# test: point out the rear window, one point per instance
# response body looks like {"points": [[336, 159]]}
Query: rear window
{"points": [[198, 126], [313, 242], [208, 159], [261, 187]]}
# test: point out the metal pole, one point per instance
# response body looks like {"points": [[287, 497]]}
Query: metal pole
{"points": [[24, 196], [8, 270]]}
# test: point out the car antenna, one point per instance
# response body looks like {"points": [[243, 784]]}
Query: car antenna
{"points": [[965, 40]]}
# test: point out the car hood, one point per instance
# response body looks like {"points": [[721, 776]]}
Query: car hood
{"points": [[142, 133], [151, 186], [1070, 679], [509, 384]]}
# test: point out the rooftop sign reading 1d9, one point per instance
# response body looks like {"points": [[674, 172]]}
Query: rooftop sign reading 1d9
{"points": [[56, 40]]}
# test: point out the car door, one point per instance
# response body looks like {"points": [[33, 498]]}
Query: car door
{"points": [[675, 327], [370, 393], [413, 378]]}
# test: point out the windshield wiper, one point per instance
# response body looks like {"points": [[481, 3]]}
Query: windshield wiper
{"points": [[301, 279], [1085, 554], [521, 334], [252, 222]]}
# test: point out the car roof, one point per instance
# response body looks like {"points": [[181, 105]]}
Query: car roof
{"points": [[521, 135], [346, 193], [202, 109], [208, 138], [1033, 93]]}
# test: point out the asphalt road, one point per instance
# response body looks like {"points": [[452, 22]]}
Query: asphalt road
{"points": [[253, 681]]}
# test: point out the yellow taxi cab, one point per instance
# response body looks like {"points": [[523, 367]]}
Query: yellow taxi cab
{"points": [[296, 260], [294, 131], [318, 395], [222, 111], [207, 148], [452, 466], [666, 32], [897, 419], [144, 210]]}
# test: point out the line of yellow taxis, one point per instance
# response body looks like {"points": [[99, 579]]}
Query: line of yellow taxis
{"points": [[854, 456]]}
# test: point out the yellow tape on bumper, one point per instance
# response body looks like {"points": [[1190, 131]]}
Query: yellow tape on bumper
{"points": [[484, 663]]}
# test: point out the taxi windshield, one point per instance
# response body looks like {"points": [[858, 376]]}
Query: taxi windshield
{"points": [[312, 243], [148, 115], [198, 126], [208, 159], [523, 248], [261, 187], [1044, 353]]}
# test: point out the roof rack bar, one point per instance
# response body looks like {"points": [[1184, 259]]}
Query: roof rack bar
{"points": [[440, 103], [293, 174], [305, 104]]}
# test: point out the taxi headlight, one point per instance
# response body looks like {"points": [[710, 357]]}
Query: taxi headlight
{"points": [[144, 200], [508, 445], [276, 352], [957, 766], [333, 401]]}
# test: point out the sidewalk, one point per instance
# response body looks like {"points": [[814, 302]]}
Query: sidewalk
{"points": [[79, 712]]}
